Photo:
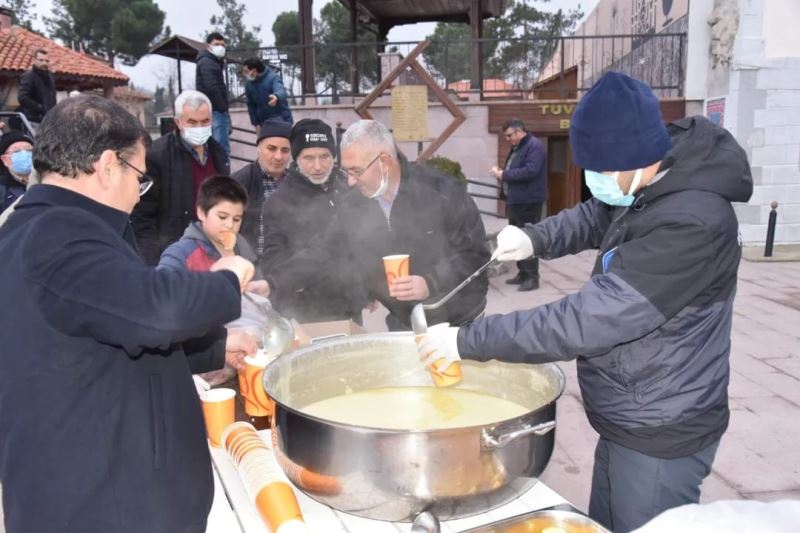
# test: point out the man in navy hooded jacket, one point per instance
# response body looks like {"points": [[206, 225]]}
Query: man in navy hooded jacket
{"points": [[651, 328], [100, 424]]}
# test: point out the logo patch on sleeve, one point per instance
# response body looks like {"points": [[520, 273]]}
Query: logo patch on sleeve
{"points": [[607, 257]]}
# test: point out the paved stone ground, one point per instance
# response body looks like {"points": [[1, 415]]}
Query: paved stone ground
{"points": [[759, 456]]}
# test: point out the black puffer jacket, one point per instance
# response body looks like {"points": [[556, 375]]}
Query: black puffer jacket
{"points": [[433, 219], [210, 81], [168, 207], [294, 215], [651, 328], [37, 94]]}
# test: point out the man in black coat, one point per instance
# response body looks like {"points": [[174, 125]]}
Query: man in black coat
{"points": [[299, 211], [524, 179], [262, 177], [210, 81], [101, 425], [402, 208], [178, 163], [37, 89]]}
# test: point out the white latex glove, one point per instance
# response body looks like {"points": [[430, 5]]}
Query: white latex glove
{"points": [[201, 385], [441, 342], [513, 244]]}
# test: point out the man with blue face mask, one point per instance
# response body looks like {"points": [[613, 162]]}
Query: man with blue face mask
{"points": [[178, 163], [651, 328], [16, 164]]}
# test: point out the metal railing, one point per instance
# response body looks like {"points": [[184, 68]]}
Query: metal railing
{"points": [[519, 68]]}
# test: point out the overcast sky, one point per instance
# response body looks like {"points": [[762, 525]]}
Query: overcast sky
{"points": [[193, 22]]}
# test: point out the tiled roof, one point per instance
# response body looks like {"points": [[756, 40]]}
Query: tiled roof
{"points": [[131, 94], [16, 55]]}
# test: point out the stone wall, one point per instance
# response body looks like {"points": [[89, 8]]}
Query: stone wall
{"points": [[762, 109]]}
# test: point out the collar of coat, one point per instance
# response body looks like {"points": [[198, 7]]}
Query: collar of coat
{"points": [[51, 195]]}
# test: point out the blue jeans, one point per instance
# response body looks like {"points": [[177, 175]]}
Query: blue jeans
{"points": [[220, 125], [629, 488]]}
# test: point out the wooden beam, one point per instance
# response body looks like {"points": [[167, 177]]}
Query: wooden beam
{"points": [[458, 116], [305, 20], [476, 32], [361, 108], [355, 80]]}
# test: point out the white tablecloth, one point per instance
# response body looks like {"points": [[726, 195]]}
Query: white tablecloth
{"points": [[322, 519]]}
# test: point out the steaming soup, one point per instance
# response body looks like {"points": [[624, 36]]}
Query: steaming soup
{"points": [[415, 408]]}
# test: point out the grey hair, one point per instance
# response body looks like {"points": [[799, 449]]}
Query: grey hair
{"points": [[193, 99], [369, 132]]}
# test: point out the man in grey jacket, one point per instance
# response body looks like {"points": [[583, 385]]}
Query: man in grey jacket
{"points": [[651, 328]]}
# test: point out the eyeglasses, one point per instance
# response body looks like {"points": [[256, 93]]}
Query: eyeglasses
{"points": [[357, 173], [145, 181]]}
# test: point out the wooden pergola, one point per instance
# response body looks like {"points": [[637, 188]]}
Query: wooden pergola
{"points": [[380, 16]]}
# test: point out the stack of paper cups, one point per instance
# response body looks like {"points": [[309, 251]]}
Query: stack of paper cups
{"points": [[263, 480]]}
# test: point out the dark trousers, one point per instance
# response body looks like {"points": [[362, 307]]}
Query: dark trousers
{"points": [[519, 215], [629, 488]]}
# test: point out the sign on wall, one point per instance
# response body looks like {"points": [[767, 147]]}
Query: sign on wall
{"points": [[410, 113], [715, 111]]}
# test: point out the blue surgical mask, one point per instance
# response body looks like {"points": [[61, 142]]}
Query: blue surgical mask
{"points": [[606, 188], [22, 162]]}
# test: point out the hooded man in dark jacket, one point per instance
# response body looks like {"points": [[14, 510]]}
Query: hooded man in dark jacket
{"points": [[101, 425], [37, 89], [178, 163], [299, 211], [210, 81], [402, 208], [651, 328]]}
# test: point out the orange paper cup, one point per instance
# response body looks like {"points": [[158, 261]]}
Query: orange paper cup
{"points": [[218, 412], [256, 400], [396, 266], [445, 377]]}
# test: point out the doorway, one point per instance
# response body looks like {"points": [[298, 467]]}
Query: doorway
{"points": [[564, 180]]}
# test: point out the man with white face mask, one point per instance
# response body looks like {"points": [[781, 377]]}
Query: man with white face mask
{"points": [[16, 164], [210, 81], [299, 211], [178, 163], [397, 207], [651, 329]]}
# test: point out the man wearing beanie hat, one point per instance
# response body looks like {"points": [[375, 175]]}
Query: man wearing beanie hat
{"points": [[299, 212], [394, 207], [651, 328], [262, 177], [16, 164]]}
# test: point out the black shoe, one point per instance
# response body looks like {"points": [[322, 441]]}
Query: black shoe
{"points": [[516, 280], [528, 284]]}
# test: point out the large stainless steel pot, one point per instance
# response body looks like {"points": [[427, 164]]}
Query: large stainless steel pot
{"points": [[394, 475]]}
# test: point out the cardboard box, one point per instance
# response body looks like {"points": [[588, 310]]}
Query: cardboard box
{"points": [[316, 331]]}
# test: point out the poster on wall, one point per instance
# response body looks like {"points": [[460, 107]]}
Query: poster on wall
{"points": [[715, 111]]}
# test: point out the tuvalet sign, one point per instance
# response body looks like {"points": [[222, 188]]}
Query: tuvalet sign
{"points": [[410, 113]]}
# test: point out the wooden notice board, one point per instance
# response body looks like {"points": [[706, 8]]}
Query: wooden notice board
{"points": [[410, 113]]}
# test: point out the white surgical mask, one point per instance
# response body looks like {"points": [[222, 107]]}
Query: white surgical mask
{"points": [[384, 183], [218, 50], [196, 136]]}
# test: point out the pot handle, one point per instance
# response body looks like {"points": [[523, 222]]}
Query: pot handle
{"points": [[500, 439]]}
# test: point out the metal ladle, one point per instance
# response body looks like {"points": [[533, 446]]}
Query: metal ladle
{"points": [[419, 324], [426, 522], [278, 334]]}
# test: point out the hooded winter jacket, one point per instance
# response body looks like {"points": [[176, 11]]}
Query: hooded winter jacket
{"points": [[651, 328], [196, 253]]}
